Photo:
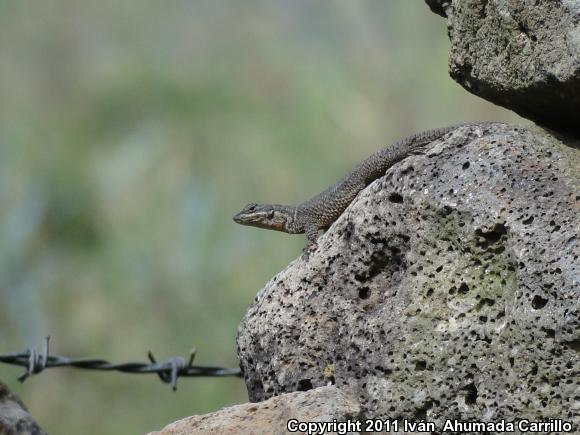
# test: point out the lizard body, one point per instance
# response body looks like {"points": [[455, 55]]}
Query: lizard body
{"points": [[320, 211]]}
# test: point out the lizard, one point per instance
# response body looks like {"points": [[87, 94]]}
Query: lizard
{"points": [[320, 211]]}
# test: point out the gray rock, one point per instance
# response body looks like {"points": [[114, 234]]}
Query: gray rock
{"points": [[14, 417], [521, 54], [449, 288], [270, 417]]}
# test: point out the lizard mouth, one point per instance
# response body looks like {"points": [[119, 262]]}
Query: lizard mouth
{"points": [[245, 219], [238, 219], [259, 222]]}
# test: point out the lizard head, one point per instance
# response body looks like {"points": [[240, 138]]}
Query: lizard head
{"points": [[269, 216]]}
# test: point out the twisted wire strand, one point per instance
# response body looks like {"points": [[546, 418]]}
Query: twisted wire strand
{"points": [[168, 370]]}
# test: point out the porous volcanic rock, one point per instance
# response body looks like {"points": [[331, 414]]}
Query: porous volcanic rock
{"points": [[270, 417], [521, 54], [450, 288], [14, 417]]}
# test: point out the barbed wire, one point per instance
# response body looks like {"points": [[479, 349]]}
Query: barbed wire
{"points": [[168, 371]]}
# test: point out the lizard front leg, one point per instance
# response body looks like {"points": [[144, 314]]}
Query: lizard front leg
{"points": [[311, 231]]}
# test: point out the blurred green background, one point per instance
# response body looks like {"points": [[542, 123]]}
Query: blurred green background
{"points": [[131, 132]]}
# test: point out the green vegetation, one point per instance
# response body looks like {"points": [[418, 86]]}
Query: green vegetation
{"points": [[131, 132]]}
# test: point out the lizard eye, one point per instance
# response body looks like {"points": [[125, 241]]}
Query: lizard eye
{"points": [[251, 207]]}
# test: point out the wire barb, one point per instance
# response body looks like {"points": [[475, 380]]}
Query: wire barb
{"points": [[168, 371], [36, 363]]}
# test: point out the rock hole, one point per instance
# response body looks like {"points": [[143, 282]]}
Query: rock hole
{"points": [[421, 413], [486, 238], [364, 292], [420, 366], [573, 344], [304, 385], [539, 302], [463, 288], [471, 394], [570, 242], [446, 210], [465, 166], [395, 197], [528, 220], [482, 303]]}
